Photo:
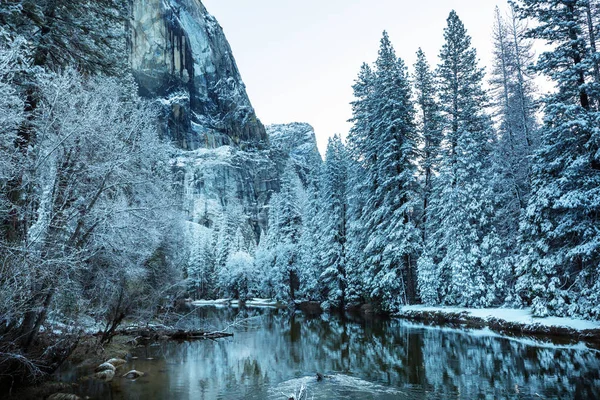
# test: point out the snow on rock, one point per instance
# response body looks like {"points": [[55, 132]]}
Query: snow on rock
{"points": [[296, 141], [225, 167], [214, 181], [514, 316], [217, 181]]}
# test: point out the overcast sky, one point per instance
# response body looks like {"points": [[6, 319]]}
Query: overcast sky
{"points": [[299, 59]]}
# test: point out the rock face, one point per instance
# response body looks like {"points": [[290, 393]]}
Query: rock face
{"points": [[223, 180], [217, 180], [179, 54], [296, 142], [225, 164]]}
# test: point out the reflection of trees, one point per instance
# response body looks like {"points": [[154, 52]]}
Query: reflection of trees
{"points": [[458, 362], [445, 363]]}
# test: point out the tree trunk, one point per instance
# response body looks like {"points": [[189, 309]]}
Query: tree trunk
{"points": [[592, 34], [411, 287], [31, 331], [577, 58]]}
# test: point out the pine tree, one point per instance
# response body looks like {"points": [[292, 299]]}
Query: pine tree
{"points": [[356, 239], [385, 138], [430, 129], [592, 13], [362, 160], [362, 133], [561, 225], [430, 135], [512, 95], [335, 212], [311, 243], [462, 203], [230, 239], [201, 267], [285, 230]]}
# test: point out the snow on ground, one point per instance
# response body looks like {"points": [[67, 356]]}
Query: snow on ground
{"points": [[217, 302], [517, 316], [262, 303]]}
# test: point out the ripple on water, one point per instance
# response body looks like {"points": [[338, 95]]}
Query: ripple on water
{"points": [[337, 386]]}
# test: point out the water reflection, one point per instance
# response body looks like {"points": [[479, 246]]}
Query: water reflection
{"points": [[274, 354]]}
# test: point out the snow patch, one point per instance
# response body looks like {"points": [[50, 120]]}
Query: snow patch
{"points": [[263, 303], [516, 316]]}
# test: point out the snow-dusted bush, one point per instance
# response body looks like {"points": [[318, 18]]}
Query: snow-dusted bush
{"points": [[92, 210], [237, 279]]}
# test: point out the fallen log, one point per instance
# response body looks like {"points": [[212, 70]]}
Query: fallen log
{"points": [[191, 335], [154, 334]]}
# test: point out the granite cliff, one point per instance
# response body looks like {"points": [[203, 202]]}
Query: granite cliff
{"points": [[180, 56], [179, 53]]}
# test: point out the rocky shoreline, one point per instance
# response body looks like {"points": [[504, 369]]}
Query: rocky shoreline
{"points": [[102, 362]]}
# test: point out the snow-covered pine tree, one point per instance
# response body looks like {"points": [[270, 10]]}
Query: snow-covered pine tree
{"points": [[237, 279], [462, 204], [592, 12], [361, 137], [430, 136], [561, 227], [335, 219], [265, 257], [512, 95], [386, 139], [356, 240], [523, 87], [311, 243], [429, 128], [201, 267], [230, 239], [360, 160], [285, 221]]}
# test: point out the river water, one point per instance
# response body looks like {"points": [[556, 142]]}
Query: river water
{"points": [[276, 355]]}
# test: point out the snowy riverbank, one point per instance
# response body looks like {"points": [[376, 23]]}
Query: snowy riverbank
{"points": [[504, 320], [258, 303]]}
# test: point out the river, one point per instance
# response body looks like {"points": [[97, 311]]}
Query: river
{"points": [[274, 355]]}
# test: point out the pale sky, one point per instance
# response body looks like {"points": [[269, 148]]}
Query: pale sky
{"points": [[299, 58]]}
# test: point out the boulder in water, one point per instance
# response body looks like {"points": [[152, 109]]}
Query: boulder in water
{"points": [[64, 396], [320, 377], [106, 375], [116, 362], [133, 374], [105, 367]]}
